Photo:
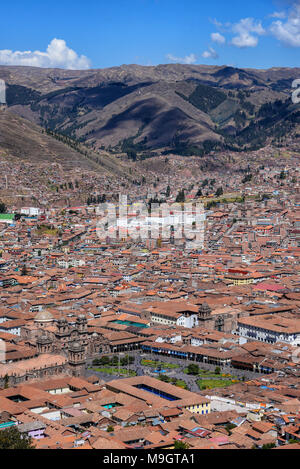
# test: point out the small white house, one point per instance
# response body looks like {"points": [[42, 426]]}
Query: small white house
{"points": [[30, 211]]}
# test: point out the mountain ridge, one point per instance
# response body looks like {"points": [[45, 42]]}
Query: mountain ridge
{"points": [[169, 108]]}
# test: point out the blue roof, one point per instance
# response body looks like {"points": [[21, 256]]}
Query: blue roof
{"points": [[7, 424]]}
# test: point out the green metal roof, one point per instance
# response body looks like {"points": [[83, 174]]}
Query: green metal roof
{"points": [[7, 424], [7, 216]]}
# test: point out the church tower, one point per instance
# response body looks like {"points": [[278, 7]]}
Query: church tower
{"points": [[62, 328], [81, 323], [204, 312], [44, 344], [76, 359]]}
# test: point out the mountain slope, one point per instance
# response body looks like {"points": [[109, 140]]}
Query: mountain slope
{"points": [[184, 109], [22, 139]]}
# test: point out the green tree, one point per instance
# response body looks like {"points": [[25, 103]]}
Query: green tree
{"points": [[268, 446], [219, 192], [163, 378], [210, 204], [2, 207], [11, 438], [181, 445], [180, 196], [282, 175], [96, 362], [115, 360], [229, 427], [247, 178], [104, 360], [110, 429], [193, 369], [126, 360], [132, 154], [293, 440], [6, 381]]}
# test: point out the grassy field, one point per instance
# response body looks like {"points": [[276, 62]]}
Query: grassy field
{"points": [[156, 364], [113, 370], [175, 381], [210, 374], [47, 230], [180, 383], [215, 383], [228, 198]]}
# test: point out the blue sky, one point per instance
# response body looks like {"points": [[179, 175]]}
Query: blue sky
{"points": [[99, 34]]}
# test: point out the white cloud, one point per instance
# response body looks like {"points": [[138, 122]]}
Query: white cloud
{"points": [[221, 26], [217, 23], [210, 54], [188, 59], [245, 40], [218, 38], [288, 32], [244, 30], [58, 55], [278, 14]]}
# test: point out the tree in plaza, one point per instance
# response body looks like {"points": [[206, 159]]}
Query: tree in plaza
{"points": [[11, 438], [193, 369], [115, 360], [127, 360], [104, 360], [163, 378]]}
